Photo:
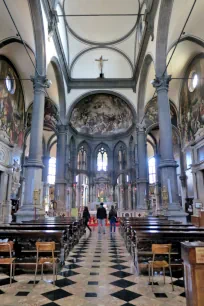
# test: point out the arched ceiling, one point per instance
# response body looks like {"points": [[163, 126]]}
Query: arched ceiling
{"points": [[21, 15], [112, 36], [11, 45], [179, 15]]}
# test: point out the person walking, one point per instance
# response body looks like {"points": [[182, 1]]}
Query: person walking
{"points": [[86, 217], [101, 216], [113, 218]]}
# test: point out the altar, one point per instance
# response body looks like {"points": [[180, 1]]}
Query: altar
{"points": [[94, 205]]}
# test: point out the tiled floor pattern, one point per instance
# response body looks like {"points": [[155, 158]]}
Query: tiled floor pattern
{"points": [[98, 272]]}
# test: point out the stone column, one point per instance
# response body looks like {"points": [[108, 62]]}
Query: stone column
{"points": [[45, 171], [142, 180], [60, 182], [167, 163], [34, 165]]}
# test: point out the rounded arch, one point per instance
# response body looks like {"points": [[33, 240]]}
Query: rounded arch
{"points": [[151, 116], [51, 142], [98, 43], [61, 89], [80, 54], [142, 86], [72, 106], [48, 122]]}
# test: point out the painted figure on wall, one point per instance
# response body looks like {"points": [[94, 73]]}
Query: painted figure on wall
{"points": [[51, 115], [101, 114], [192, 100], [11, 104], [151, 113]]}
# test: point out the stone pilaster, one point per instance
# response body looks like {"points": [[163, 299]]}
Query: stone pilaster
{"points": [[6, 203], [45, 171], [34, 165], [60, 183], [142, 179], [167, 163]]}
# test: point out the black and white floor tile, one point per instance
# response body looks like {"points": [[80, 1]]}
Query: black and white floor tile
{"points": [[98, 272]]}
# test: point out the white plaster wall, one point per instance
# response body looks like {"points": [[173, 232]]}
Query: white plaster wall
{"points": [[21, 14], [62, 29], [116, 66]]}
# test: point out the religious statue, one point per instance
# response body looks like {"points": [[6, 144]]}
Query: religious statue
{"points": [[16, 172], [101, 60], [15, 179]]}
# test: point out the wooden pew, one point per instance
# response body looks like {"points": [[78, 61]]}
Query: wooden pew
{"points": [[24, 243], [142, 240], [64, 232]]}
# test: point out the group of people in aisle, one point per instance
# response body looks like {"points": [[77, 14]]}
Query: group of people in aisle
{"points": [[101, 217]]}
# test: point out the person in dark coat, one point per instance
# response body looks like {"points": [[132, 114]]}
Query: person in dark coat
{"points": [[101, 216], [113, 218], [86, 217]]}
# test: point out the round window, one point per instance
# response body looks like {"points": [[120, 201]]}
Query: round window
{"points": [[193, 81], [10, 84]]}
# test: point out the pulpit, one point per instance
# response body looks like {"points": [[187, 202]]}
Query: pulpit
{"points": [[193, 256]]}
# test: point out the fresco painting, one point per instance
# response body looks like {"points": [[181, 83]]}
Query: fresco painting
{"points": [[11, 105], [101, 114], [51, 115], [151, 113], [192, 102]]}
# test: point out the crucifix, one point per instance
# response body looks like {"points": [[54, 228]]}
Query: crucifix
{"points": [[101, 60]]}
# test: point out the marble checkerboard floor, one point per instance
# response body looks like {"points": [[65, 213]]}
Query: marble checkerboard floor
{"points": [[99, 271]]}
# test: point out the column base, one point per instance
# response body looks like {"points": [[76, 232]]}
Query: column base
{"points": [[176, 213], [27, 213]]}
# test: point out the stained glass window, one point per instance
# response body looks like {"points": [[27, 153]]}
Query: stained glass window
{"points": [[52, 170], [102, 160], [152, 170]]}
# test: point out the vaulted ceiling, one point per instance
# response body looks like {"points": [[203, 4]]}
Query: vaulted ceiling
{"points": [[96, 28]]}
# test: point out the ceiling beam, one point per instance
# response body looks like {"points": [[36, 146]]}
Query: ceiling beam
{"points": [[98, 15], [101, 83]]}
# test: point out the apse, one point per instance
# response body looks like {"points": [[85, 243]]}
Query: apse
{"points": [[101, 114]]}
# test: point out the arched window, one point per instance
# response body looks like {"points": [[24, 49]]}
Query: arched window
{"points": [[102, 160], [52, 170], [122, 158], [82, 159], [152, 170]]}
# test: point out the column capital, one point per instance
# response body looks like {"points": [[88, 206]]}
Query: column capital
{"points": [[161, 82], [62, 128], [140, 127], [40, 82]]}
